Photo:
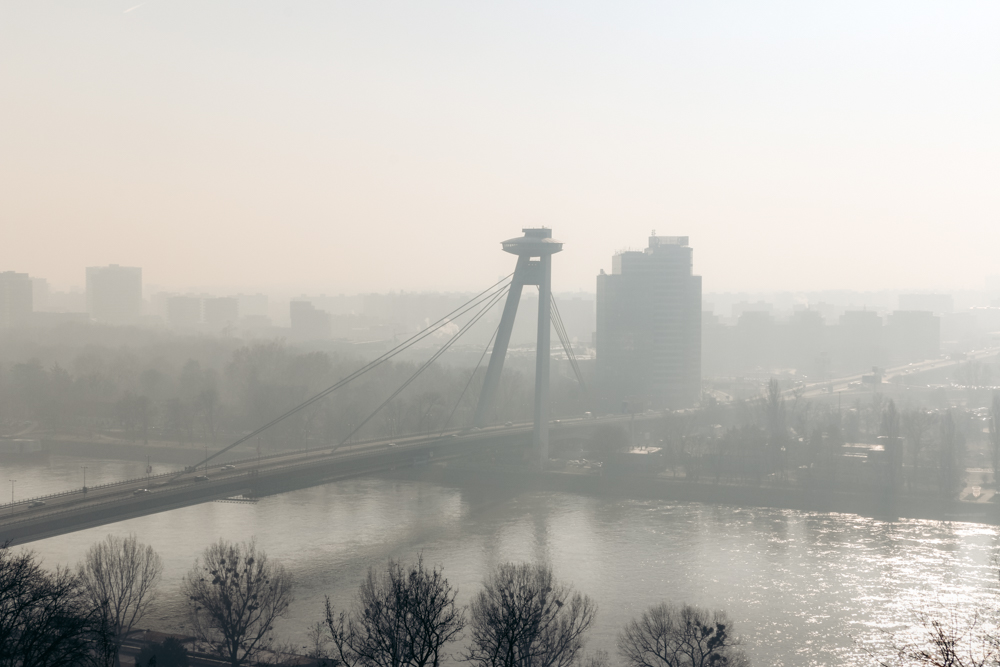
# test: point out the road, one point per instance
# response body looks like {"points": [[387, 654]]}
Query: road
{"points": [[843, 383]]}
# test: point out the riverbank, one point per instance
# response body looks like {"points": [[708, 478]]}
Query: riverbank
{"points": [[873, 505]]}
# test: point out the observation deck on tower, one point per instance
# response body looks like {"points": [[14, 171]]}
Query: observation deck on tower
{"points": [[536, 242]]}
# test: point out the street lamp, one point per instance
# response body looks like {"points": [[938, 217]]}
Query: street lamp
{"points": [[84, 479], [11, 494]]}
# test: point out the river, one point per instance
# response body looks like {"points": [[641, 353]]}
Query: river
{"points": [[802, 588]]}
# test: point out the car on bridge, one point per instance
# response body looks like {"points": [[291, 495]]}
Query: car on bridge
{"points": [[140, 492], [201, 478], [37, 503]]}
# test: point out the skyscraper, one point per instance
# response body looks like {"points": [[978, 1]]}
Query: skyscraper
{"points": [[114, 294], [649, 328]]}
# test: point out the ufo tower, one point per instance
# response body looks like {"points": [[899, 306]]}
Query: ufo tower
{"points": [[534, 253]]}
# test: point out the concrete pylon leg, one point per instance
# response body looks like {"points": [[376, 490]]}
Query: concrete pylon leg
{"points": [[536, 243], [542, 361], [484, 409]]}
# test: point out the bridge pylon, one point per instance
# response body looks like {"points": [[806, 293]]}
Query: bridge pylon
{"points": [[534, 253]]}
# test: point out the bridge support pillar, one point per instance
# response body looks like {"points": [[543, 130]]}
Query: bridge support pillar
{"points": [[534, 253], [543, 357]]}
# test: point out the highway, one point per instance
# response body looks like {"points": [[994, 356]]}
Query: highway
{"points": [[844, 383]]}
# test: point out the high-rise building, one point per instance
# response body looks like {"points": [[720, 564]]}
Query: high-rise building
{"points": [[649, 328], [114, 293], [15, 299]]}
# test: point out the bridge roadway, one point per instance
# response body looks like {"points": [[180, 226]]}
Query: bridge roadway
{"points": [[67, 512]]}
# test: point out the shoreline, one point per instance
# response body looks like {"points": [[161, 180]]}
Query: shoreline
{"points": [[872, 505]]}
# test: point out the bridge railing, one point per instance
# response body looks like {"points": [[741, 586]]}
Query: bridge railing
{"points": [[106, 485]]}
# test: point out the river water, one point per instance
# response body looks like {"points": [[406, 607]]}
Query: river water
{"points": [[802, 588]]}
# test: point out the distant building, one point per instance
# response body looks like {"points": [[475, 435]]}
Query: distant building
{"points": [[649, 328], [806, 343], [939, 304], [184, 311], [114, 293], [745, 307], [913, 335], [40, 294], [16, 301], [860, 340], [757, 344], [308, 322], [221, 312], [252, 305]]}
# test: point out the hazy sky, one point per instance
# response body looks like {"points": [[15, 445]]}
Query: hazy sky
{"points": [[369, 146]]}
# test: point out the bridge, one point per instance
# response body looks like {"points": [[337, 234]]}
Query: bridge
{"points": [[255, 477]]}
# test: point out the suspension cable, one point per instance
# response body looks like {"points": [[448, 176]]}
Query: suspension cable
{"points": [[471, 378], [564, 338], [468, 325], [489, 293]]}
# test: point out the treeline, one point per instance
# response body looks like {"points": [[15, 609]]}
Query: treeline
{"points": [[402, 616], [775, 439], [186, 389]]}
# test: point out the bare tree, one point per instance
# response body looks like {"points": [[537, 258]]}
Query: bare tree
{"points": [[235, 594], [597, 659], [670, 635], [523, 617], [44, 619], [405, 617], [119, 578], [945, 642], [318, 646]]}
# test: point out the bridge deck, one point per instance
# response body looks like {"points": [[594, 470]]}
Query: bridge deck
{"points": [[75, 510]]}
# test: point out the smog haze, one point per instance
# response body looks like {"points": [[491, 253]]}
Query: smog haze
{"points": [[376, 146]]}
